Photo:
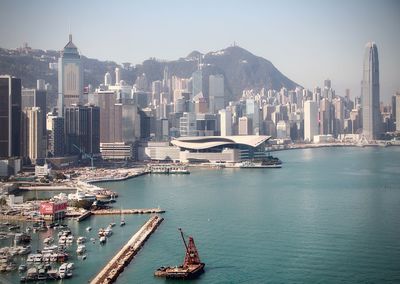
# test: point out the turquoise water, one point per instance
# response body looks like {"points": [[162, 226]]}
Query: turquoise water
{"points": [[329, 215]]}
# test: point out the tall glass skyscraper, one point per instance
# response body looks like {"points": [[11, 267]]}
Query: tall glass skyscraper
{"points": [[70, 77], [370, 93]]}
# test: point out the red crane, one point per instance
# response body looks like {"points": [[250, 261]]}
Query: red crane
{"points": [[192, 255]]}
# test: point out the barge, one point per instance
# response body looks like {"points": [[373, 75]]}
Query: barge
{"points": [[191, 268]]}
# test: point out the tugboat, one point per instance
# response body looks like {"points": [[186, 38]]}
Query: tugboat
{"points": [[191, 267]]}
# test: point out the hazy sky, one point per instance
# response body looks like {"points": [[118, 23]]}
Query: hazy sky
{"points": [[308, 41]]}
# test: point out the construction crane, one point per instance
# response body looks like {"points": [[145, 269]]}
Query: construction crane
{"points": [[85, 155]]}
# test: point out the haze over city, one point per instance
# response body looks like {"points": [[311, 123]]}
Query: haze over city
{"points": [[308, 41]]}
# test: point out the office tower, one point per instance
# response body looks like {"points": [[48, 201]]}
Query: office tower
{"points": [[398, 111], [253, 113], [338, 116], [327, 84], [131, 123], [197, 83], [33, 144], [156, 89], [371, 117], [117, 76], [106, 103], [244, 126], [141, 83], [282, 129], [35, 98], [206, 124], [10, 116], [187, 124], [107, 79], [317, 95], [325, 116], [55, 128], [310, 120], [216, 93], [82, 129], [225, 122], [40, 85], [70, 77]]}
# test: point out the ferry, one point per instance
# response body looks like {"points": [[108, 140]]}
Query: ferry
{"points": [[168, 169]]}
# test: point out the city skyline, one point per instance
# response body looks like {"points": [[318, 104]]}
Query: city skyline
{"points": [[307, 41]]}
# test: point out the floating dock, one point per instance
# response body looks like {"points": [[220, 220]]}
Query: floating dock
{"points": [[116, 265]]}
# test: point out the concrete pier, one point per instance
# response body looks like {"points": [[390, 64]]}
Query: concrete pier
{"points": [[116, 265]]}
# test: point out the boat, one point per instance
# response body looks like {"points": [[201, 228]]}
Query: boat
{"points": [[62, 270], [22, 238], [80, 240], [122, 223], [11, 266], [88, 229], [191, 267], [103, 240], [48, 240], [70, 239], [112, 225], [108, 232], [70, 265], [81, 249], [22, 268]]}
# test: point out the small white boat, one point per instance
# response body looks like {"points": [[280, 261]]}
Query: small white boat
{"points": [[81, 240], [81, 249], [22, 268], [112, 224], [70, 239], [103, 239], [62, 270], [88, 229], [62, 240], [108, 232], [70, 266], [122, 223]]}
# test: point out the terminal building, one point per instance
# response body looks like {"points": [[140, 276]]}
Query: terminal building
{"points": [[211, 149]]}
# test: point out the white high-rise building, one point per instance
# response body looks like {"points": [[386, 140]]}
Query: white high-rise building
{"points": [[216, 93], [310, 120], [117, 76], [107, 79], [225, 122]]}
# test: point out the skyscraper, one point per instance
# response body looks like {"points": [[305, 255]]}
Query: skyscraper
{"points": [[10, 116], [398, 111], [310, 120], [371, 117], [82, 129], [35, 98], [32, 134], [216, 93], [70, 77]]}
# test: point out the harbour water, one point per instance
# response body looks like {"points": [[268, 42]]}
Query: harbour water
{"points": [[328, 215]]}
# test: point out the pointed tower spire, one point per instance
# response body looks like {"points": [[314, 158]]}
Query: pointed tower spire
{"points": [[70, 37]]}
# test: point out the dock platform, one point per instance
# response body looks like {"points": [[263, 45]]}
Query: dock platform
{"points": [[116, 265]]}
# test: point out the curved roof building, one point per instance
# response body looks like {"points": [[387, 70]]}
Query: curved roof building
{"points": [[208, 142], [221, 148]]}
